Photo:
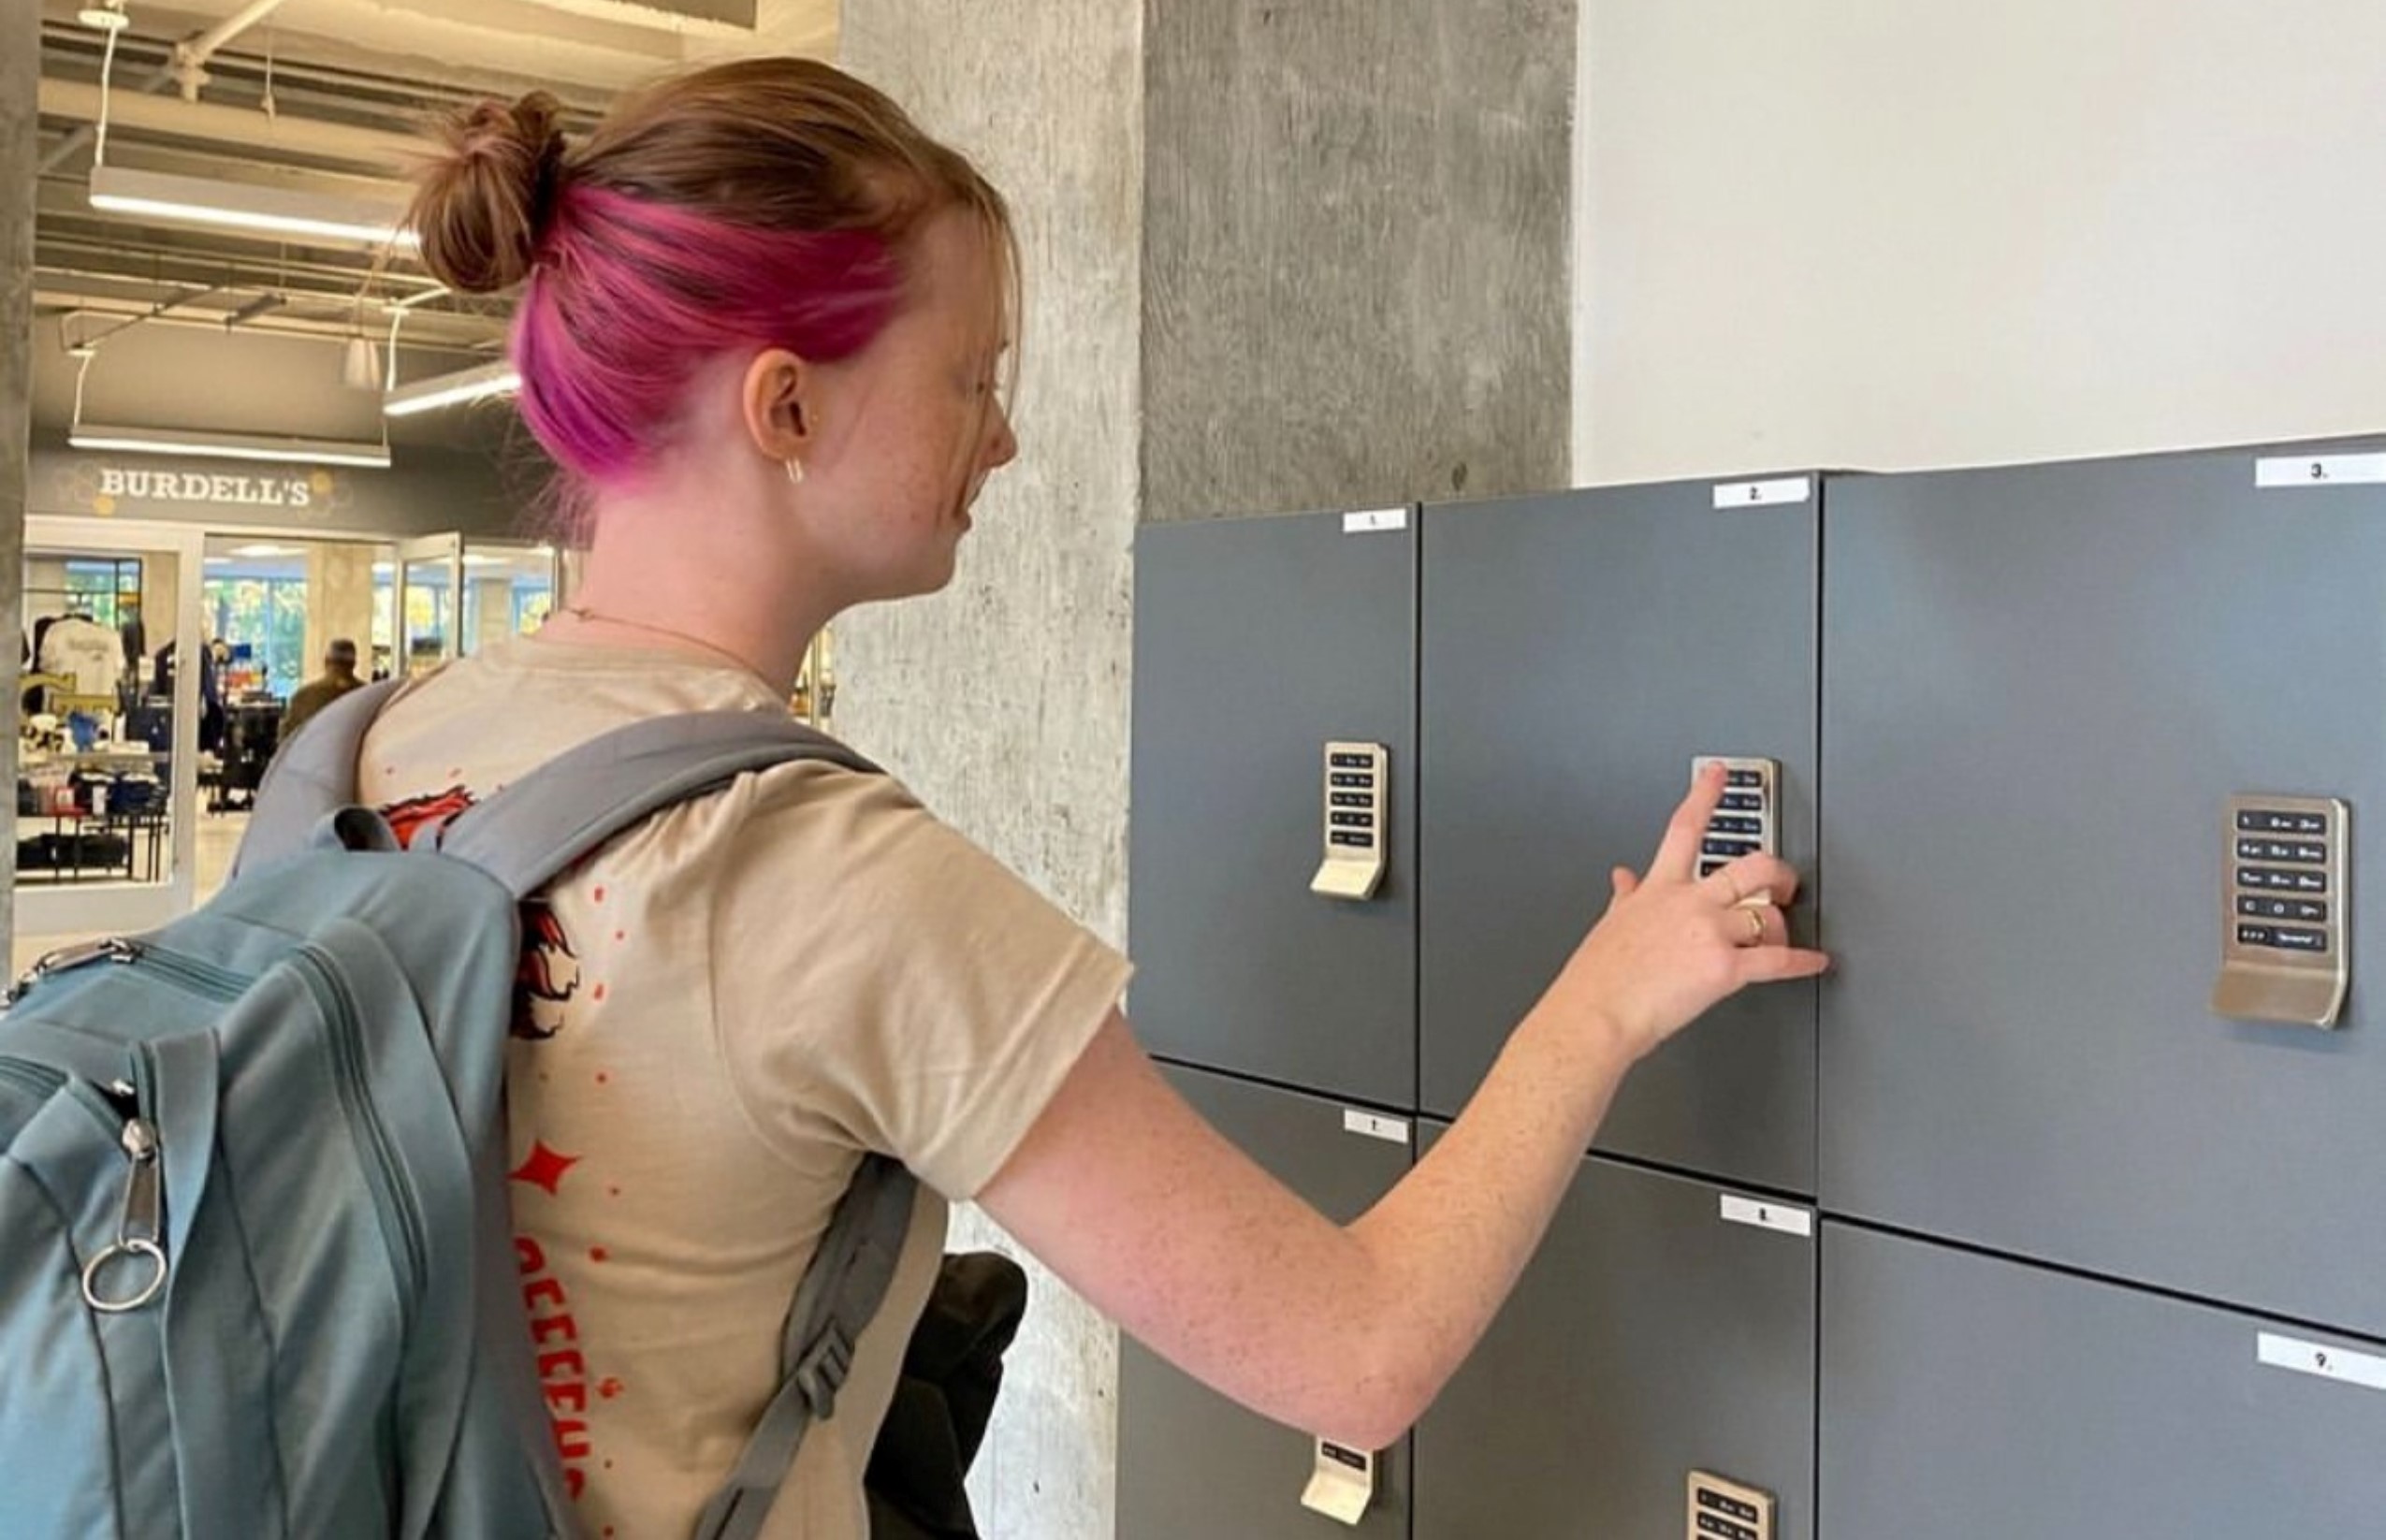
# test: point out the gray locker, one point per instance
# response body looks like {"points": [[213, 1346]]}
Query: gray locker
{"points": [[1193, 1465], [1578, 651], [1650, 1337], [2042, 686], [1256, 643], [1970, 1398]]}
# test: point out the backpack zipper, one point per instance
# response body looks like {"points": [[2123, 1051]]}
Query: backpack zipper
{"points": [[42, 1080], [139, 1233], [113, 949], [356, 1098], [39, 1079], [192, 973]]}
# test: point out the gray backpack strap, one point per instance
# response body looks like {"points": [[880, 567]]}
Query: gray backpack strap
{"points": [[840, 1293], [311, 776], [533, 831]]}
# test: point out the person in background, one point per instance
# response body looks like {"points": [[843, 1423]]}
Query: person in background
{"points": [[338, 678]]}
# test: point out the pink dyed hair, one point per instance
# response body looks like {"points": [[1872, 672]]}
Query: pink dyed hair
{"points": [[760, 203], [629, 298]]}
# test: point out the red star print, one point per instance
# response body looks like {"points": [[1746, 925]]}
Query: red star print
{"points": [[545, 1167]]}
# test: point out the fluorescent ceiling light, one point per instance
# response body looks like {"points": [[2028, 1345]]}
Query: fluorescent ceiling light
{"points": [[243, 205], [236, 446], [382, 569], [259, 553], [466, 385], [218, 561]]}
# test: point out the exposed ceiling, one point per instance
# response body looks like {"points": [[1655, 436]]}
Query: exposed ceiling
{"points": [[324, 96]]}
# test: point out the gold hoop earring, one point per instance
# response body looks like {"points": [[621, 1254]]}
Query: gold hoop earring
{"points": [[794, 470]]}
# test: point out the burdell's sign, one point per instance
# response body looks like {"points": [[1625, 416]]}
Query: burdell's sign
{"points": [[107, 488], [121, 482]]}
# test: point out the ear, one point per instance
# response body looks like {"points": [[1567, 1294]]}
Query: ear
{"points": [[777, 402]]}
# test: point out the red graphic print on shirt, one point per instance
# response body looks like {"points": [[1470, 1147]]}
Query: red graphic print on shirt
{"points": [[409, 817], [549, 974], [546, 981], [564, 1372]]}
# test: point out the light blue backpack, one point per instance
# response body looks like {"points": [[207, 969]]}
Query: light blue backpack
{"points": [[256, 1274]]}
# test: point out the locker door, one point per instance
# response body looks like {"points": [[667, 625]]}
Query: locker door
{"points": [[1192, 1466], [1256, 643], [1648, 1338], [2041, 688], [1578, 651], [1969, 1398]]}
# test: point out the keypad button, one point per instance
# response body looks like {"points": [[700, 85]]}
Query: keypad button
{"points": [[1743, 802], [1727, 848], [1736, 826], [1350, 761], [1353, 837], [2253, 850], [1350, 799], [2254, 935], [2289, 938], [2253, 876], [2301, 881], [2310, 823], [1708, 868], [1743, 777], [1714, 1502], [2310, 912], [1354, 821]]}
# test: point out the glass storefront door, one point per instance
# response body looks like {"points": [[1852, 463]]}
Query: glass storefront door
{"points": [[510, 588], [430, 580], [109, 726]]}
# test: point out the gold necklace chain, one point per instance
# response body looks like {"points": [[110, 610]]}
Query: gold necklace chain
{"points": [[584, 616]]}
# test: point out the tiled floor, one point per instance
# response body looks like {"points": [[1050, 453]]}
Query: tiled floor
{"points": [[219, 838]]}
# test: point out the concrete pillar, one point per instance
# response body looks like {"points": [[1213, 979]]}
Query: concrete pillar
{"points": [[1356, 253], [1279, 257], [492, 613], [1003, 703], [339, 602], [19, 83]]}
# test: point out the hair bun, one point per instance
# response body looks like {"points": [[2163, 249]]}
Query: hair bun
{"points": [[481, 206]]}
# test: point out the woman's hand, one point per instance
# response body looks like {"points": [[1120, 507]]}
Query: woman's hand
{"points": [[1673, 944]]}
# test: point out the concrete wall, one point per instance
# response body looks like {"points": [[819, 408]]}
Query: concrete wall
{"points": [[1871, 233], [1356, 253], [1278, 256], [19, 67], [1003, 702]]}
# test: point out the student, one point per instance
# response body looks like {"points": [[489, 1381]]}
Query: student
{"points": [[762, 331], [339, 676]]}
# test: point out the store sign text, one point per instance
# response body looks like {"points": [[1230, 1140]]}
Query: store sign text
{"points": [[191, 486]]}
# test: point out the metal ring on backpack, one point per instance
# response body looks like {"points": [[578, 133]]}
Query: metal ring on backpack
{"points": [[123, 1248]]}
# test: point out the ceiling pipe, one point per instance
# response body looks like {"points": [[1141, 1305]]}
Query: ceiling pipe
{"points": [[223, 126], [188, 67]]}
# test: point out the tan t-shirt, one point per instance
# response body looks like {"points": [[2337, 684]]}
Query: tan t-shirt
{"points": [[717, 1016]]}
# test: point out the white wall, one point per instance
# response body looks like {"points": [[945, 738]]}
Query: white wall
{"points": [[1901, 233]]}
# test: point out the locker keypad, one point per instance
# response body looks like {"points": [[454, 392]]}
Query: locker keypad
{"points": [[1357, 778], [1725, 1510], [2283, 947], [1747, 820]]}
